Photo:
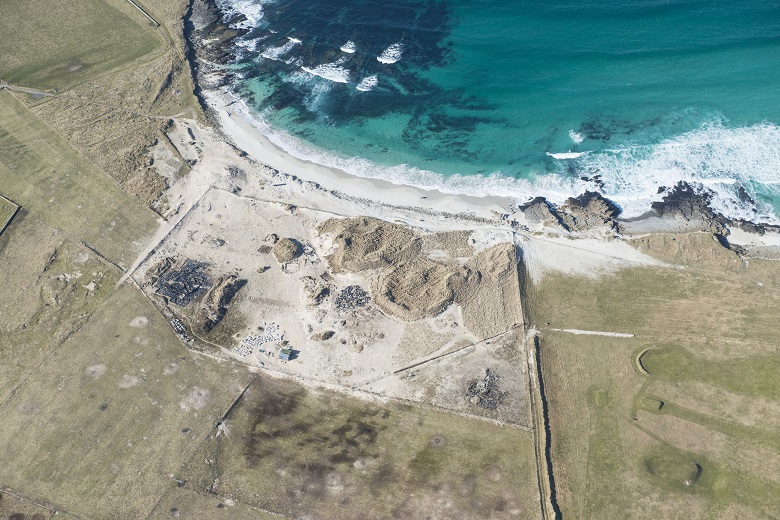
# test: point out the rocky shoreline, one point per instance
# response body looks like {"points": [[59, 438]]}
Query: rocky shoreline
{"points": [[685, 207], [208, 37]]}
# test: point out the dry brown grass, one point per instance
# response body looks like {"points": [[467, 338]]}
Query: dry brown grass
{"points": [[98, 428], [305, 453]]}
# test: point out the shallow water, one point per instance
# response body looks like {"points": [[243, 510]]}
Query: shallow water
{"points": [[522, 98]]}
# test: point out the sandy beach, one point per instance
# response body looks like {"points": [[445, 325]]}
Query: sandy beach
{"points": [[232, 118]]}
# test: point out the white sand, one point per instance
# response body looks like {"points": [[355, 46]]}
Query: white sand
{"points": [[588, 257], [251, 140]]}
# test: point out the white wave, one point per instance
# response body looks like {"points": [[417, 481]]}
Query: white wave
{"points": [[276, 53], [367, 84], [721, 158], [251, 9], [348, 47], [294, 40], [576, 137], [566, 155], [250, 44], [330, 71], [392, 54]]}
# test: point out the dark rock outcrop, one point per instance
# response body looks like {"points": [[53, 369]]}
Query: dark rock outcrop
{"points": [[209, 38], [691, 204], [540, 210], [589, 211]]}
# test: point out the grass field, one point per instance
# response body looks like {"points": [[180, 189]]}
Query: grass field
{"points": [[100, 426], [305, 453], [15, 508], [54, 44], [679, 421], [192, 504], [49, 285], [40, 171]]}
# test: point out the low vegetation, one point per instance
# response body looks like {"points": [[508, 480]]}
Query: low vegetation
{"points": [[102, 425], [45, 175], [677, 419], [7, 211], [57, 44], [300, 452]]}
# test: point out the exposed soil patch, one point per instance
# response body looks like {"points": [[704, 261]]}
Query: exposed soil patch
{"points": [[438, 441], [196, 399]]}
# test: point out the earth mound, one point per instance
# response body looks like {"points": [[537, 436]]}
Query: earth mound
{"points": [[367, 243], [217, 301], [286, 250], [423, 288]]}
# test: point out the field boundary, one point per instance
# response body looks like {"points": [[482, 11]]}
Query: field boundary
{"points": [[16, 206], [155, 22], [55, 510], [541, 429]]}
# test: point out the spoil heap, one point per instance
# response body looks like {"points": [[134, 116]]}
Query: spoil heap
{"points": [[287, 250], [423, 288], [352, 297], [217, 301], [368, 243], [420, 275], [485, 393]]}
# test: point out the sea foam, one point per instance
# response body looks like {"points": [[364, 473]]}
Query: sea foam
{"points": [[367, 84], [566, 155], [276, 53], [348, 47], [391, 54], [331, 71], [576, 137], [713, 157], [720, 158], [251, 9]]}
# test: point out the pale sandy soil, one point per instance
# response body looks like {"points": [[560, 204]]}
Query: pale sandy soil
{"points": [[243, 193]]}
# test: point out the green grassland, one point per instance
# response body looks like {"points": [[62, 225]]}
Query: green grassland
{"points": [[54, 44], [101, 425], [303, 453], [664, 424], [40, 171]]}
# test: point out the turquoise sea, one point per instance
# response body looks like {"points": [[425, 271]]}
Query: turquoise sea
{"points": [[526, 97]]}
